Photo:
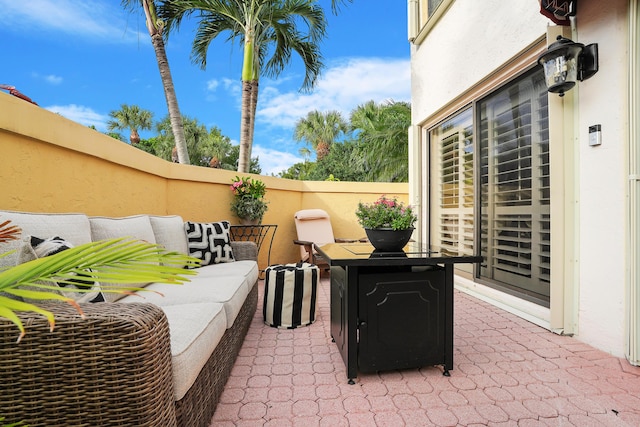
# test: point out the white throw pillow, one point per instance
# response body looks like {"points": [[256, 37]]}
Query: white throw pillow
{"points": [[36, 247], [137, 227], [169, 233]]}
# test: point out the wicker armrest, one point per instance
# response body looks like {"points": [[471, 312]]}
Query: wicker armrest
{"points": [[111, 368], [244, 250]]}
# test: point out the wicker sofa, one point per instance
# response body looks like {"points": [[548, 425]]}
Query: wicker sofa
{"points": [[159, 360]]}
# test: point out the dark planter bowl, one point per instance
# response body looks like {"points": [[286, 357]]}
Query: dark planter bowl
{"points": [[387, 239]]}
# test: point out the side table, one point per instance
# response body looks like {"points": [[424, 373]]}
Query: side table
{"points": [[258, 234], [392, 310]]}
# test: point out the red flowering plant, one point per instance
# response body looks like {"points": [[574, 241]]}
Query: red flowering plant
{"points": [[248, 200], [386, 213]]}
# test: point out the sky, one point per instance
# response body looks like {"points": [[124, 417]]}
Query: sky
{"points": [[84, 59]]}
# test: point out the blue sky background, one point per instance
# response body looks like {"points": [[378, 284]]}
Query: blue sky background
{"points": [[83, 59]]}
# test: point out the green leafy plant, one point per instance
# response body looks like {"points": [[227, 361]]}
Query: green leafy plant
{"points": [[117, 261], [386, 213], [248, 201]]}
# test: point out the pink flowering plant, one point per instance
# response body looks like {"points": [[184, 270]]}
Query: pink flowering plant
{"points": [[248, 187], [248, 200], [386, 213]]}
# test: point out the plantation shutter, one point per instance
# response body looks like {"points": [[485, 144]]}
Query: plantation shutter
{"points": [[514, 186], [453, 201]]}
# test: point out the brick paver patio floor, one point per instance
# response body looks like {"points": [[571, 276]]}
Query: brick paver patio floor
{"points": [[507, 372]]}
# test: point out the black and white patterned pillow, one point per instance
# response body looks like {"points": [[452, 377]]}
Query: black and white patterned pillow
{"points": [[209, 242], [53, 245]]}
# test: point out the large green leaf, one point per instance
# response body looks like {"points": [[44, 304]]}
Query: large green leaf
{"points": [[121, 261]]}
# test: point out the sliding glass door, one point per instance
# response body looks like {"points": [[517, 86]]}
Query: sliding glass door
{"points": [[489, 187], [514, 186]]}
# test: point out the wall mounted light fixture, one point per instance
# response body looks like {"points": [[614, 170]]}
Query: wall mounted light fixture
{"points": [[565, 62]]}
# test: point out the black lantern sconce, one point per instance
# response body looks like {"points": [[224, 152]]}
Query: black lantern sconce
{"points": [[566, 62]]}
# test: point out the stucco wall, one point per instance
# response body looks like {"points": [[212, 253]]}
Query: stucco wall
{"points": [[602, 178], [470, 41], [51, 164]]}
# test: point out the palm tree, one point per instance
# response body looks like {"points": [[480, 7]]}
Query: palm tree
{"points": [[195, 135], [130, 117], [305, 153], [155, 27], [382, 133], [335, 5], [320, 130], [264, 27]]}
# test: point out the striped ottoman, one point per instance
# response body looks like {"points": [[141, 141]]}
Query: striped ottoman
{"points": [[290, 295]]}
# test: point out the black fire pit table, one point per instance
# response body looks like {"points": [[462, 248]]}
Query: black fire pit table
{"points": [[392, 310]]}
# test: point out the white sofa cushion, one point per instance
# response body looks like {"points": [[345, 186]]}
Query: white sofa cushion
{"points": [[137, 227], [169, 232], [247, 269], [231, 291], [72, 227], [196, 330]]}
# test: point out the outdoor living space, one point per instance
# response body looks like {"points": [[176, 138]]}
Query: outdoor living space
{"points": [[507, 371]]}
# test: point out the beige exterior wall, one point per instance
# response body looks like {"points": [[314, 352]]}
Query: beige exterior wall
{"points": [[475, 47], [602, 176], [51, 164]]}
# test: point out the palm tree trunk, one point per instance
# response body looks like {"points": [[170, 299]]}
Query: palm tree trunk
{"points": [[155, 26], [245, 128], [172, 101], [253, 106], [134, 137]]}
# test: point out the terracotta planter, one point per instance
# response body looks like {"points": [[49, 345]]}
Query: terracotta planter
{"points": [[387, 239]]}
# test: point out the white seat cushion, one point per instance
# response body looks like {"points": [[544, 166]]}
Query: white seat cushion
{"points": [[246, 269], [231, 291], [196, 330]]}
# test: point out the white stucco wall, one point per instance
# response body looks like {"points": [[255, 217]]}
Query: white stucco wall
{"points": [[472, 40], [602, 170]]}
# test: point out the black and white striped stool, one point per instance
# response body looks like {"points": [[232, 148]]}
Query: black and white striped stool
{"points": [[290, 295]]}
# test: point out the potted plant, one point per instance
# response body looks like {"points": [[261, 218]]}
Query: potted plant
{"points": [[248, 200], [114, 261], [387, 222]]}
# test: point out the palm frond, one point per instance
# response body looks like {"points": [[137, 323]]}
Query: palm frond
{"points": [[9, 232], [117, 261]]}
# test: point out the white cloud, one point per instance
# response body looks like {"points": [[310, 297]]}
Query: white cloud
{"points": [[342, 87], [54, 80], [273, 161], [232, 86], [51, 79], [80, 114], [212, 85], [93, 19]]}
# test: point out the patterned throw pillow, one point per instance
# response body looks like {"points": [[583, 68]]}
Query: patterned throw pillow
{"points": [[210, 242], [53, 245]]}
